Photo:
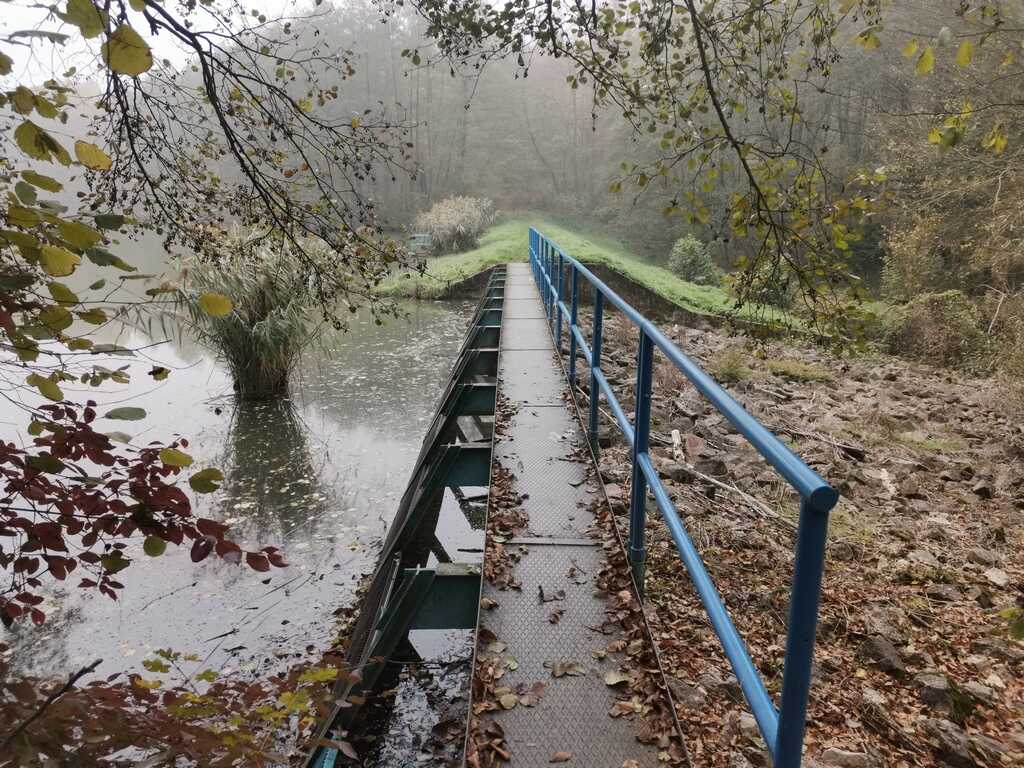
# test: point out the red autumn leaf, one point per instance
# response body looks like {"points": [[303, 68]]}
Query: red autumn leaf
{"points": [[257, 561], [201, 548], [211, 527], [56, 568], [277, 560]]}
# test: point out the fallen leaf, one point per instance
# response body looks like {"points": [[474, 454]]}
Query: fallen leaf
{"points": [[550, 597], [615, 677], [561, 757], [509, 700], [562, 668]]}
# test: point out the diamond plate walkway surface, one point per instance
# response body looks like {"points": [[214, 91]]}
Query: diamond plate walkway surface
{"points": [[541, 445]]}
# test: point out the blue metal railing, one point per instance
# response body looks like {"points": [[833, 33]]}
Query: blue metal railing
{"points": [[782, 728]]}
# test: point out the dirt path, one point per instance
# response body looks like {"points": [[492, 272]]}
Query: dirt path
{"points": [[915, 665]]}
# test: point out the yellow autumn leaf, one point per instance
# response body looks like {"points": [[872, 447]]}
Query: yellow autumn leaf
{"points": [[59, 262], [79, 235], [926, 62], [41, 181], [868, 40], [45, 107], [89, 19], [56, 318], [20, 216], [996, 139], [47, 387], [910, 48], [92, 156], [62, 294], [94, 316], [172, 457], [215, 304], [126, 53], [39, 145], [965, 53], [23, 100]]}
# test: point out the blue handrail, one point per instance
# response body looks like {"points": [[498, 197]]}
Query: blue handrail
{"points": [[782, 728]]}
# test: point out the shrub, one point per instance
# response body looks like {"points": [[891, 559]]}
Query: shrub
{"points": [[918, 261], [730, 366], [798, 370], [941, 328], [272, 285], [456, 223], [690, 261], [1005, 318]]}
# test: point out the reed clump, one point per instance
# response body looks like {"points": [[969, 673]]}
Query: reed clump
{"points": [[274, 285]]}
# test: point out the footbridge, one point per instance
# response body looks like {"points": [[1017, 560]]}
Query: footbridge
{"points": [[516, 434]]}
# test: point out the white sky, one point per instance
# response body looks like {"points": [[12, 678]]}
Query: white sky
{"points": [[41, 59]]}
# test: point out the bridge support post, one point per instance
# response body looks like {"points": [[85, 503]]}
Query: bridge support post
{"points": [[641, 440], [593, 425]]}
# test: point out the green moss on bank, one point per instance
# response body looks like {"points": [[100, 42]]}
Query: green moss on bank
{"points": [[499, 245], [508, 242]]}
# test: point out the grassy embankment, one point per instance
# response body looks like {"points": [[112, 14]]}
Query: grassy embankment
{"points": [[508, 242]]}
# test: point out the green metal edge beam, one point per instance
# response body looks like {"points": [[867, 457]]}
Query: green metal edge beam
{"points": [[476, 400], [483, 363], [452, 600], [472, 466], [486, 336]]}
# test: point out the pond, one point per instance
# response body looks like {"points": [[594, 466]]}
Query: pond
{"points": [[318, 474]]}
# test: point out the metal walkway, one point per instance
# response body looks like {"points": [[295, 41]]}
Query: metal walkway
{"points": [[546, 452], [511, 355]]}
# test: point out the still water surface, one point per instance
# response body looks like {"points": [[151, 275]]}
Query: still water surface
{"points": [[318, 474]]}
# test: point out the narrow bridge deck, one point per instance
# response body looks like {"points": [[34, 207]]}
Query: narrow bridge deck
{"points": [[544, 448], [535, 437]]}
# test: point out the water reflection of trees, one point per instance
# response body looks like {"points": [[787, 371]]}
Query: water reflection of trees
{"points": [[43, 651], [271, 476]]}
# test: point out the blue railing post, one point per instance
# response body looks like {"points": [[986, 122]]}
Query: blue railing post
{"points": [[641, 440], [551, 288], [533, 251], [559, 300], [573, 316], [808, 566], [547, 269], [593, 425]]}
